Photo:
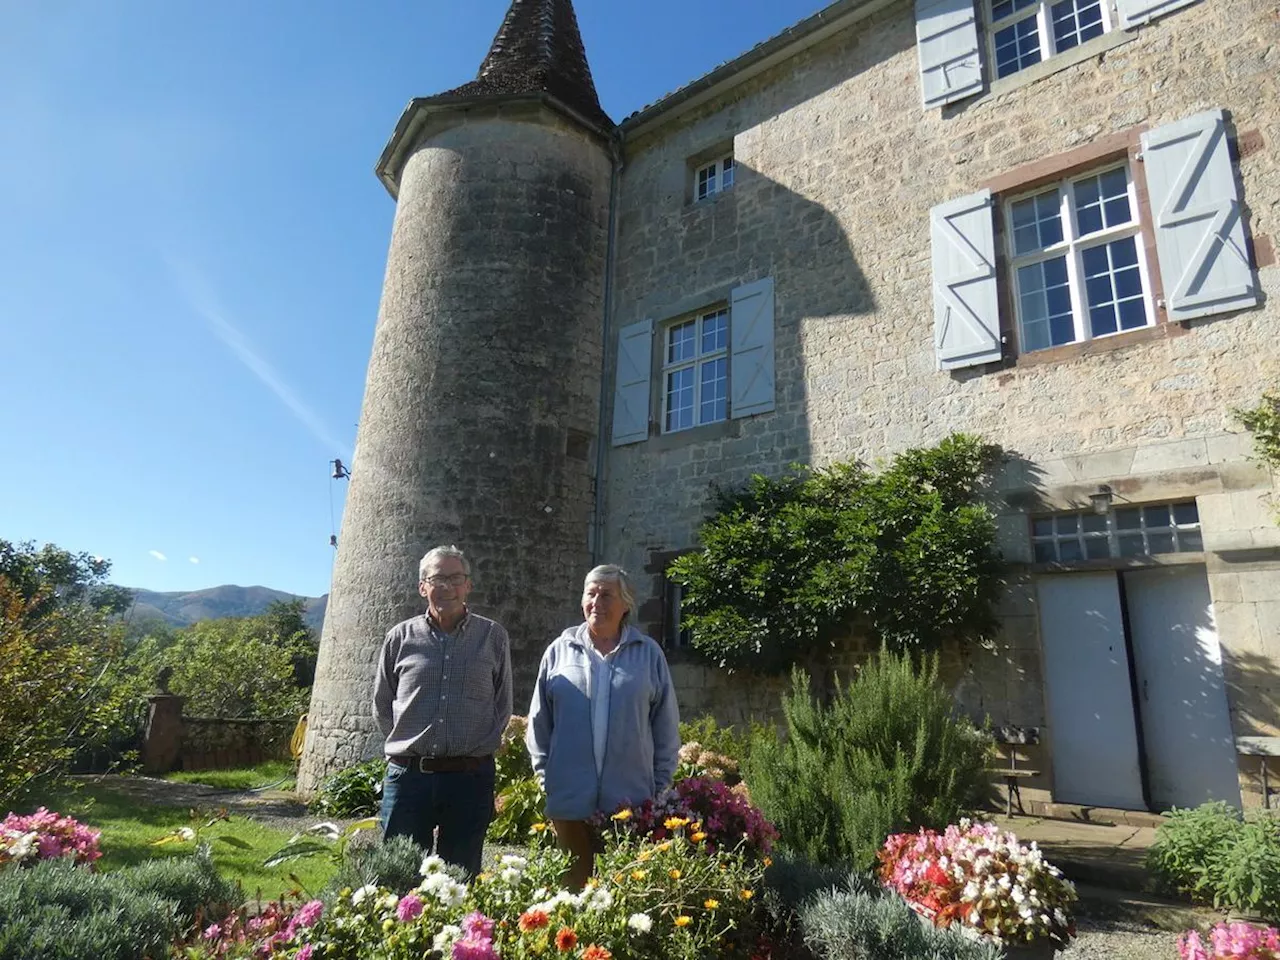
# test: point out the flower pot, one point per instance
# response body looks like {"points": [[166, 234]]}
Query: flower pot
{"points": [[1039, 950]]}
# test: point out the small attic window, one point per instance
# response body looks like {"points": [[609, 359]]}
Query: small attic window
{"points": [[714, 177]]}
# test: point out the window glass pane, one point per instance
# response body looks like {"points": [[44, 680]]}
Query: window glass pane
{"points": [[1017, 47], [1069, 524], [1042, 527], [1129, 518], [1045, 552], [715, 329], [1003, 8], [1097, 549], [1045, 304], [1037, 223], [1074, 22], [1186, 513], [1190, 541], [1133, 314], [1131, 546], [726, 174], [706, 182], [1069, 550], [1160, 542], [1109, 267], [1102, 320], [680, 342], [680, 399], [1094, 523], [1156, 516], [714, 383]]}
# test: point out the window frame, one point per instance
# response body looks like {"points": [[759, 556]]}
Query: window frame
{"points": [[1029, 177], [1072, 247], [1112, 534], [721, 168], [1041, 12], [696, 362]]}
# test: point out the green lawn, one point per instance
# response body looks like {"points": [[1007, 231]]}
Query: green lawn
{"points": [[277, 774], [129, 829]]}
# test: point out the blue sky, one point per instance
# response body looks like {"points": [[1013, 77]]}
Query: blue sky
{"points": [[192, 244]]}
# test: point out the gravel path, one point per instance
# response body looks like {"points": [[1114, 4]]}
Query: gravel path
{"points": [[1120, 940]]}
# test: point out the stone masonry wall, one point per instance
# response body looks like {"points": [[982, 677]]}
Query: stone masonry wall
{"points": [[838, 166], [481, 406]]}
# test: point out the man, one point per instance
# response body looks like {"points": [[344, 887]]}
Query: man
{"points": [[442, 698]]}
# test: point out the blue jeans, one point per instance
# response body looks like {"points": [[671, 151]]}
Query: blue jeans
{"points": [[415, 804]]}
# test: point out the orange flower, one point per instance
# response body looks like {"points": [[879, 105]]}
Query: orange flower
{"points": [[768, 861], [596, 952], [566, 939], [683, 920], [533, 920], [698, 837]]}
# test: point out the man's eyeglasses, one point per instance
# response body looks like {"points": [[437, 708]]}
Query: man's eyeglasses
{"points": [[453, 580]]}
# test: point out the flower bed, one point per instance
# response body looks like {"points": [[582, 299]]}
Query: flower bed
{"points": [[1231, 941], [982, 880], [726, 819], [673, 898], [44, 835]]}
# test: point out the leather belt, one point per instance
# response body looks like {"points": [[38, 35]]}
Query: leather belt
{"points": [[443, 764]]}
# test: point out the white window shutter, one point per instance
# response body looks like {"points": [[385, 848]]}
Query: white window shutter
{"points": [[751, 385], [966, 307], [631, 383], [1135, 12], [1204, 263], [950, 54]]}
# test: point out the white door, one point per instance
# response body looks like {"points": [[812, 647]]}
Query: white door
{"points": [[1186, 729], [1089, 695]]}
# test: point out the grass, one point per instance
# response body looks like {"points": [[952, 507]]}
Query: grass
{"points": [[129, 830], [278, 774]]}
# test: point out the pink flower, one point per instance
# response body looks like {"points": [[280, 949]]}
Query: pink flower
{"points": [[476, 926], [409, 908], [309, 913], [468, 949], [304, 952], [212, 932]]}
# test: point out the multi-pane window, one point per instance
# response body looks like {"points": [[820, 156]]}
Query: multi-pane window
{"points": [[696, 371], [678, 636], [1024, 32], [715, 177], [1125, 532], [1077, 266]]}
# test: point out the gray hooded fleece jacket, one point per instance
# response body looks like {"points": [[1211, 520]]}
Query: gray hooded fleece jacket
{"points": [[643, 743]]}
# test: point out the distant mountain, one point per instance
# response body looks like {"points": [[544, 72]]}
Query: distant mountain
{"points": [[181, 609]]}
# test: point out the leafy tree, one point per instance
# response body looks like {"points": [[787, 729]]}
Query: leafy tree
{"points": [[1263, 421], [905, 556], [56, 646]]}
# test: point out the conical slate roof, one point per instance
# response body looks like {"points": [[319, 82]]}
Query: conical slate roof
{"points": [[539, 49]]}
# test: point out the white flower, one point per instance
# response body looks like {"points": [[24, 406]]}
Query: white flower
{"points": [[511, 860], [970, 891], [1017, 895], [599, 899], [509, 875], [640, 922], [362, 894], [431, 864], [24, 845], [452, 893], [434, 882], [186, 833], [388, 901], [446, 938]]}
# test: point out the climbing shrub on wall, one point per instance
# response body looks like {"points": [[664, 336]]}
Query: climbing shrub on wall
{"points": [[1263, 421], [904, 556]]}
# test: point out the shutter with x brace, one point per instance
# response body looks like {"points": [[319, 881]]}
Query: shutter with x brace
{"points": [[966, 307]]}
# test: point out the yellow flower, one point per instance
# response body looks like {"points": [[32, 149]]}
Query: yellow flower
{"points": [[538, 827], [683, 920], [644, 855], [673, 874], [674, 823], [711, 904], [747, 894], [623, 814], [696, 825], [768, 861], [639, 874], [592, 883], [698, 837], [664, 846], [619, 877]]}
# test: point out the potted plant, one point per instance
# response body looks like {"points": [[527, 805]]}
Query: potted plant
{"points": [[984, 882]]}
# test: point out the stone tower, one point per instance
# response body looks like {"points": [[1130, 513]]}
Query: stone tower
{"points": [[482, 401]]}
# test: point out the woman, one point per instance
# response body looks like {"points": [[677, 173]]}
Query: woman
{"points": [[604, 729]]}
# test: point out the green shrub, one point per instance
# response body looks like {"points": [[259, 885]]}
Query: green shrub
{"points": [[391, 863], [1213, 854], [859, 922], [519, 806], [54, 911], [886, 755], [192, 884], [353, 792], [511, 762]]}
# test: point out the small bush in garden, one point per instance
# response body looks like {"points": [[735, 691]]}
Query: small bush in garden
{"points": [[511, 762], [1231, 941], [46, 836], [57, 911], [887, 754], [353, 792], [1213, 854], [518, 808], [392, 863], [855, 923], [699, 761], [711, 750], [192, 883], [973, 876], [718, 815]]}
